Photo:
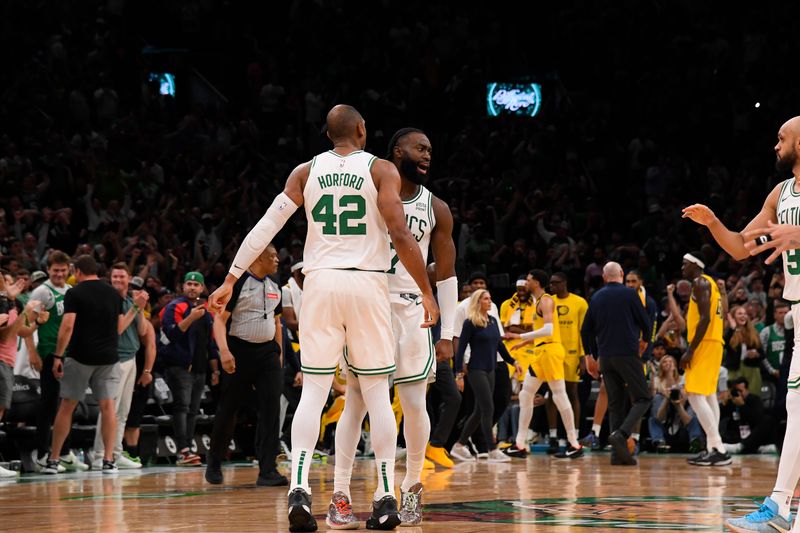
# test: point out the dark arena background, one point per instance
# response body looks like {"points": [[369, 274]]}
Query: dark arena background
{"points": [[565, 135]]}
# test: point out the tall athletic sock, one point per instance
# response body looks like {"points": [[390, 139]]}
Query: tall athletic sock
{"points": [[416, 429], [596, 429], [348, 433], [305, 427], [383, 431], [708, 421], [713, 402], [789, 465], [560, 398], [529, 389]]}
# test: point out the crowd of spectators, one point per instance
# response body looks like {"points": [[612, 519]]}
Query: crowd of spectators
{"points": [[640, 119]]}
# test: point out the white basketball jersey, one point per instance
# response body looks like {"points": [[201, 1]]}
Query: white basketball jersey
{"points": [[420, 220], [788, 212], [345, 228]]}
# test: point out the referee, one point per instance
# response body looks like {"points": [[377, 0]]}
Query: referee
{"points": [[248, 333]]}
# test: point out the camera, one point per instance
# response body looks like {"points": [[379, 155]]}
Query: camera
{"points": [[675, 395], [735, 393], [6, 305]]}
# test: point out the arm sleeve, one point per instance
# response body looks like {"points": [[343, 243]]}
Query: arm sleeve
{"points": [[463, 342], [261, 235], [543, 331], [447, 291]]}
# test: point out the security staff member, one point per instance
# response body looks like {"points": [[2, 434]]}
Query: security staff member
{"points": [[249, 336]]}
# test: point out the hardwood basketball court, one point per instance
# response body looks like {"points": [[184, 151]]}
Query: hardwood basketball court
{"points": [[662, 493]]}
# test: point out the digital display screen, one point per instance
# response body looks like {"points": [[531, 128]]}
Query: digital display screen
{"points": [[166, 82], [515, 99]]}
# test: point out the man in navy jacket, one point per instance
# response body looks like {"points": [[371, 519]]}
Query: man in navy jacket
{"points": [[185, 347], [612, 329]]}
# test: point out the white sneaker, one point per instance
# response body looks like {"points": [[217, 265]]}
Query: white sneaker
{"points": [[733, 448], [72, 464], [768, 449], [497, 456], [41, 464], [5, 473], [124, 463], [461, 452], [482, 455]]}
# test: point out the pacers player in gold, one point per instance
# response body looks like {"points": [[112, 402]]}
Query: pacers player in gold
{"points": [[703, 358], [547, 366]]}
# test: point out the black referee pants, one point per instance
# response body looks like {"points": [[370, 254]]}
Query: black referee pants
{"points": [[257, 366], [619, 371]]}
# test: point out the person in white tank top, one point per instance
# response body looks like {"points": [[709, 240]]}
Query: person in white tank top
{"points": [[352, 199], [775, 229], [431, 223]]}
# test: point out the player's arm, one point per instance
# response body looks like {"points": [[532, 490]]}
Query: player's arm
{"points": [[731, 241], [547, 307], [701, 291], [387, 181], [444, 254], [282, 208]]}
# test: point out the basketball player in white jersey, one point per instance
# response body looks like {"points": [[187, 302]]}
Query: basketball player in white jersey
{"points": [[777, 227], [352, 203], [431, 223]]}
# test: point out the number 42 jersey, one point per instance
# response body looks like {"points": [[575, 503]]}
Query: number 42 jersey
{"points": [[345, 227], [788, 212]]}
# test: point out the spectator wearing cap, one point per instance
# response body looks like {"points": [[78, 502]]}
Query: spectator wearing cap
{"points": [[185, 347], [249, 336], [502, 385], [137, 331]]}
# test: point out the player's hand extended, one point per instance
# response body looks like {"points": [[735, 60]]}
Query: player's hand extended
{"points": [[783, 237], [431, 310], [686, 360], [700, 214], [220, 297]]}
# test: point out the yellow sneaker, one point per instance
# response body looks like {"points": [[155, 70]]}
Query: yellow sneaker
{"points": [[428, 465], [439, 456]]}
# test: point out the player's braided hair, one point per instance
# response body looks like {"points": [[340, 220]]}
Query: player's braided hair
{"points": [[402, 132]]}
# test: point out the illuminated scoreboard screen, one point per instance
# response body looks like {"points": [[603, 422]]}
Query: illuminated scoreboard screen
{"points": [[515, 99]]}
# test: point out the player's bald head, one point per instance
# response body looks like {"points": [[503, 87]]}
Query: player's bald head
{"points": [[612, 271], [343, 122], [787, 150], [791, 127]]}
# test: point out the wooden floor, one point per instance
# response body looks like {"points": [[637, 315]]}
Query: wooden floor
{"points": [[662, 493]]}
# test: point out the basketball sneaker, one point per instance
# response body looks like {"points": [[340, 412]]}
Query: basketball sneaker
{"points": [[126, 462], [570, 453], [109, 467], [411, 506], [51, 468], [214, 471], [513, 451], [715, 458], [699, 457], [384, 514], [340, 513], [6, 474], [592, 442], [72, 464], [461, 452], [438, 455], [300, 518], [552, 447], [187, 458], [766, 519], [497, 456], [41, 464]]}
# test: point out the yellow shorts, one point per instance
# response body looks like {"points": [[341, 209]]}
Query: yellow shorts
{"points": [[548, 362], [703, 373], [523, 356], [572, 362]]}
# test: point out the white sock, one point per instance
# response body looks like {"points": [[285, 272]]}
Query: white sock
{"points": [[529, 389], [416, 429], [789, 465], [348, 433], [560, 398], [383, 431], [708, 420], [305, 427], [596, 429], [553, 433]]}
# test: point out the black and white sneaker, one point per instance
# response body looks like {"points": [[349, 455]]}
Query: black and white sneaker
{"points": [[715, 458], [513, 451], [384, 514], [51, 467], [570, 453], [300, 517], [697, 459], [110, 467]]}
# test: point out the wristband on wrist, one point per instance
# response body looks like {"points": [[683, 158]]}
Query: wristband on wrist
{"points": [[136, 308], [60, 357], [145, 371]]}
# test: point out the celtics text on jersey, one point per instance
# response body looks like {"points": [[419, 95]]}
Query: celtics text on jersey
{"points": [[420, 220]]}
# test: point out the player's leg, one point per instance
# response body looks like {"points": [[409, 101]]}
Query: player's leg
{"points": [[528, 392], [560, 398]]}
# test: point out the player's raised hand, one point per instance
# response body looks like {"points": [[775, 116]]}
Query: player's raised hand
{"points": [[431, 311], [776, 237], [220, 297], [700, 214]]}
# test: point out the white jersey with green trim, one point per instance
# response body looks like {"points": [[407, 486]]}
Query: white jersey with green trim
{"points": [[345, 227], [420, 220], [788, 212]]}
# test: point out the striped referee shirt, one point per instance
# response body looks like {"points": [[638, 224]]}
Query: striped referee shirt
{"points": [[253, 306]]}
